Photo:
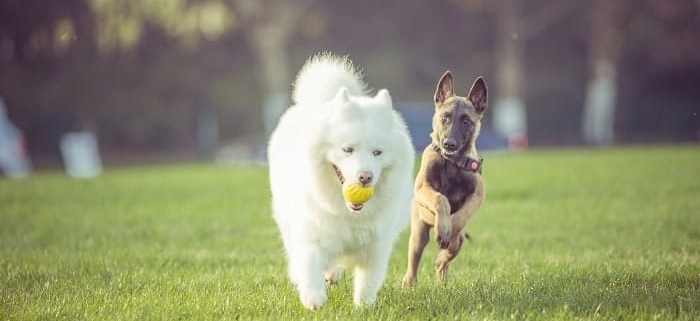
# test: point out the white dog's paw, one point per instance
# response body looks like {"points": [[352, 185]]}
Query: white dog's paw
{"points": [[313, 300], [332, 276], [364, 301]]}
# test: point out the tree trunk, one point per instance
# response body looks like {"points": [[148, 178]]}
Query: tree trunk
{"points": [[509, 114], [601, 92], [270, 48], [270, 25]]}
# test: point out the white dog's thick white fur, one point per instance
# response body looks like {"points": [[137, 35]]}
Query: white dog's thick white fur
{"points": [[335, 124]]}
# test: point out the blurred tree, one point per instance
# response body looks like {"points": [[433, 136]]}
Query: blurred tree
{"points": [[144, 71], [269, 26], [122, 24], [514, 28], [601, 93], [509, 107], [659, 72], [115, 64], [33, 28], [662, 34]]}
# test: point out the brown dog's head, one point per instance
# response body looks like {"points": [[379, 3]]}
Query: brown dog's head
{"points": [[457, 120]]}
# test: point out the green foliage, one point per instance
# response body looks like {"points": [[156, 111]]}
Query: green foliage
{"points": [[569, 234], [121, 24]]}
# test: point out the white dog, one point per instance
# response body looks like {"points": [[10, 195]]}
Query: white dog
{"points": [[335, 134]]}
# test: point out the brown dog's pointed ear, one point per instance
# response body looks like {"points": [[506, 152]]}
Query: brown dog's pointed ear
{"points": [[445, 88], [478, 95]]}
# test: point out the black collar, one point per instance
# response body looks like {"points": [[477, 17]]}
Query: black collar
{"points": [[467, 163]]}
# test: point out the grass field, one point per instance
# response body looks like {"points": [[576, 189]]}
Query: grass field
{"points": [[563, 234]]}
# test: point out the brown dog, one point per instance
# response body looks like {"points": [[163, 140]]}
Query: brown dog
{"points": [[449, 188]]}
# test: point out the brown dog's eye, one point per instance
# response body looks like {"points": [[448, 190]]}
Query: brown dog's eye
{"points": [[467, 121], [376, 152], [348, 150], [443, 119]]}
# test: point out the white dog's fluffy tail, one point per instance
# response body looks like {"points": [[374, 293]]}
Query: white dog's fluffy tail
{"points": [[321, 78]]}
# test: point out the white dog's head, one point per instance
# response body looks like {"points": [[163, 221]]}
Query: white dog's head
{"points": [[359, 136]]}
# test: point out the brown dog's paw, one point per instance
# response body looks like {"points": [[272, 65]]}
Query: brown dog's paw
{"points": [[443, 243], [443, 234], [408, 281]]}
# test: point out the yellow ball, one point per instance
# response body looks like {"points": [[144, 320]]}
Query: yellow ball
{"points": [[357, 194]]}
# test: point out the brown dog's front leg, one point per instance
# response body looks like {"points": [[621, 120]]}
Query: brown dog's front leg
{"points": [[416, 244], [443, 221], [448, 254], [434, 210], [459, 220]]}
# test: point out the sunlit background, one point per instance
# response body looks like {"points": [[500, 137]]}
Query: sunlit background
{"points": [[180, 80]]}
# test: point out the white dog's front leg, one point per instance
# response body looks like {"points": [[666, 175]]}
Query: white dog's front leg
{"points": [[307, 269], [369, 278]]}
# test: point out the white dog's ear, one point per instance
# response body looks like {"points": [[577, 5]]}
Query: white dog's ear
{"points": [[384, 97], [342, 96]]}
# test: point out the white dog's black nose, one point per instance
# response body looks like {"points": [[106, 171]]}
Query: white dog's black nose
{"points": [[364, 177]]}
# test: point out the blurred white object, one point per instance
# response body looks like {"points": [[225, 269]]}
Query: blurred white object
{"points": [[599, 107], [14, 161], [510, 121], [509, 117], [80, 154]]}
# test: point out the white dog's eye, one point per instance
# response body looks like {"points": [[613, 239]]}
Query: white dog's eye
{"points": [[348, 150], [376, 152]]}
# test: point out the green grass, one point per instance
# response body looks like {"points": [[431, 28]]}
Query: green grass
{"points": [[563, 234]]}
